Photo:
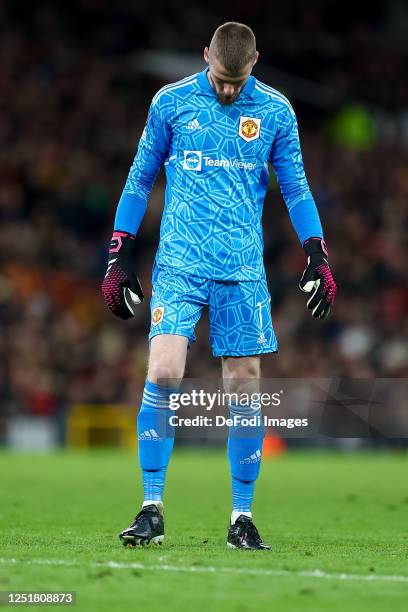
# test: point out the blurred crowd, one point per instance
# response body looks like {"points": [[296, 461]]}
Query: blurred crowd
{"points": [[72, 108]]}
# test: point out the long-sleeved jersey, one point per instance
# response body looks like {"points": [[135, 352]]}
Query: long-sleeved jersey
{"points": [[216, 160]]}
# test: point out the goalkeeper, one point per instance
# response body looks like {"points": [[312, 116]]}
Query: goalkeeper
{"points": [[215, 133]]}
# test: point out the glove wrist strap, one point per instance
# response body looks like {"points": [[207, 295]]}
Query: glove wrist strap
{"points": [[121, 241], [314, 246]]}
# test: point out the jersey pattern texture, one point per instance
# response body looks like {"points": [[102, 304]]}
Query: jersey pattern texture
{"points": [[216, 161]]}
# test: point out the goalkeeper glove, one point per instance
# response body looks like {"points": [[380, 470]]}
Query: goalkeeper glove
{"points": [[121, 288], [317, 278]]}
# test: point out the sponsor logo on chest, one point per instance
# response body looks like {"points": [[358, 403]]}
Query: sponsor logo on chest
{"points": [[195, 160]]}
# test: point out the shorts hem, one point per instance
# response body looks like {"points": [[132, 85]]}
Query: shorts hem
{"points": [[162, 333], [244, 353]]}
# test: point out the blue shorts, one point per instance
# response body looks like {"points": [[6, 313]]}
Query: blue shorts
{"points": [[239, 311]]}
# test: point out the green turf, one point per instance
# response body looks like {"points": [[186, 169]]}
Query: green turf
{"points": [[336, 513]]}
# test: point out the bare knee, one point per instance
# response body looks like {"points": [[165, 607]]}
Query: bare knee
{"points": [[167, 359], [241, 374]]}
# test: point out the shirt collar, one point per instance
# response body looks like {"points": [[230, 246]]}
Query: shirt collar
{"points": [[206, 86]]}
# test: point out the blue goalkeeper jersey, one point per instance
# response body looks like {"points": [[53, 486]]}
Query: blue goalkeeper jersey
{"points": [[216, 161]]}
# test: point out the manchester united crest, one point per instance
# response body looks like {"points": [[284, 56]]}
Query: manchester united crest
{"points": [[157, 315], [249, 128]]}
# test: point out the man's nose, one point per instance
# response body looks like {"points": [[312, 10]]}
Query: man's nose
{"points": [[228, 90]]}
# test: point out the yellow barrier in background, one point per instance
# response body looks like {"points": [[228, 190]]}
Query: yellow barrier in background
{"points": [[101, 425]]}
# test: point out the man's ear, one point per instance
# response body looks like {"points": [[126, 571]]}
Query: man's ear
{"points": [[256, 58], [207, 55]]}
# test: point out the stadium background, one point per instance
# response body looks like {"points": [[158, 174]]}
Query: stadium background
{"points": [[75, 83], [76, 80]]}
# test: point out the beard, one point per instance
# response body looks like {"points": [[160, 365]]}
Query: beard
{"points": [[222, 99]]}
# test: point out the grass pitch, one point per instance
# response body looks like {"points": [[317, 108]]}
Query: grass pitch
{"points": [[344, 515]]}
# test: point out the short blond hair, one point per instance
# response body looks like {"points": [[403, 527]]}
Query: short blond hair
{"points": [[234, 45]]}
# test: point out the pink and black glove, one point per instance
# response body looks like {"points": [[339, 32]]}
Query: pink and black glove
{"points": [[317, 279], [121, 288]]}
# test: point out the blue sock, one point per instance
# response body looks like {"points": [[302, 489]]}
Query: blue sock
{"points": [[156, 438], [244, 454]]}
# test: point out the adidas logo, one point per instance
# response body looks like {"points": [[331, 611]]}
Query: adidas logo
{"points": [[150, 434], [194, 125], [254, 458]]}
